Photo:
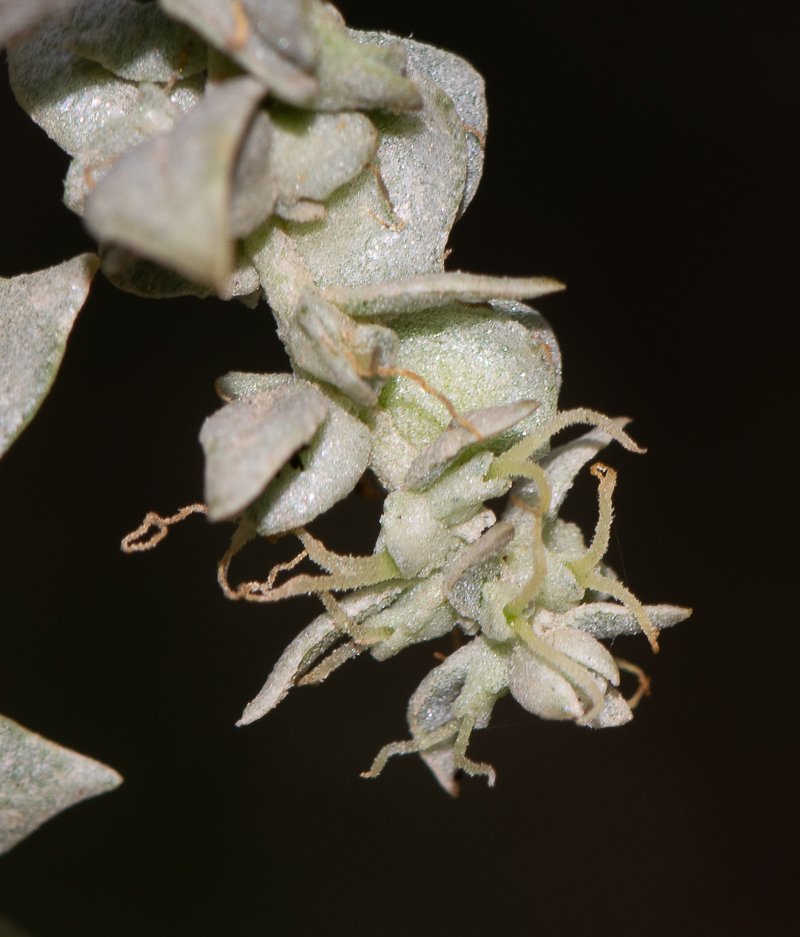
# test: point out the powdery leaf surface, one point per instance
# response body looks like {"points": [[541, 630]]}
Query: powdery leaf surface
{"points": [[248, 441], [156, 113], [170, 198], [465, 88], [135, 41], [313, 154], [39, 779], [394, 221], [434, 290], [233, 27], [356, 73], [473, 357], [337, 457], [37, 311]]}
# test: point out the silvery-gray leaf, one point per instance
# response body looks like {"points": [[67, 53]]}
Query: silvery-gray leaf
{"points": [[19, 17], [434, 290], [477, 359], [337, 457], [39, 779], [134, 40], [394, 221], [255, 188], [285, 25], [314, 154], [357, 74], [37, 311], [616, 711], [542, 690], [331, 346], [608, 620], [156, 113], [134, 274], [68, 96], [232, 27], [465, 87], [248, 441], [320, 339], [312, 642], [456, 439], [392, 454], [170, 198]]}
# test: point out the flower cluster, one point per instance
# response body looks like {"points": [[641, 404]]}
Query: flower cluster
{"points": [[259, 148]]}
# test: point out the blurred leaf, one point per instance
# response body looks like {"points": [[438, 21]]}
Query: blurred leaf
{"points": [[72, 99], [170, 199], [135, 41], [18, 17], [37, 311], [243, 30], [39, 779]]}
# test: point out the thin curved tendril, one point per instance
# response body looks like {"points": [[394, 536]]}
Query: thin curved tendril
{"points": [[129, 542], [644, 681], [526, 447]]}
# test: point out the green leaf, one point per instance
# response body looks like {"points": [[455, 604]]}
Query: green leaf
{"points": [[39, 779], [37, 311], [456, 439]]}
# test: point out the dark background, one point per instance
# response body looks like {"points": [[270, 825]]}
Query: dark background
{"points": [[646, 154]]}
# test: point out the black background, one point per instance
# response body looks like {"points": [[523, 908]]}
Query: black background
{"points": [[646, 154]]}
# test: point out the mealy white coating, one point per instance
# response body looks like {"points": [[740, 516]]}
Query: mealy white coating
{"points": [[247, 442], [477, 358], [367, 237], [37, 311], [39, 779], [169, 199]]}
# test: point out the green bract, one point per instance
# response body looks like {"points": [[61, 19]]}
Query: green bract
{"points": [[222, 146]]}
